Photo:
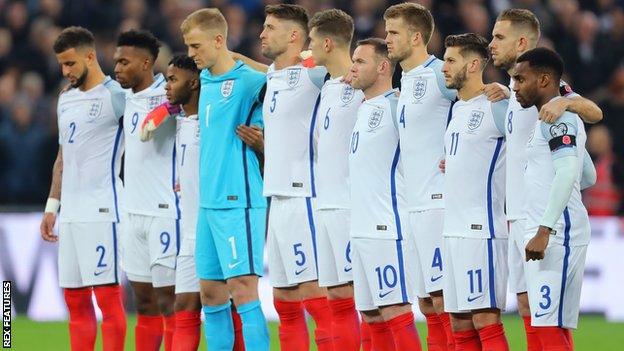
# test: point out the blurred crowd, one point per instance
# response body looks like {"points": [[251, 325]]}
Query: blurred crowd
{"points": [[588, 34]]}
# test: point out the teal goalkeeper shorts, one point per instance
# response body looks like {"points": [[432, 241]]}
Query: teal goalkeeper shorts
{"points": [[230, 242]]}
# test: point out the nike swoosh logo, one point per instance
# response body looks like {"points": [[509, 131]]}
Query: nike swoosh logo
{"points": [[537, 315], [470, 299], [301, 271], [98, 273], [435, 279], [232, 265], [382, 295], [348, 269]]}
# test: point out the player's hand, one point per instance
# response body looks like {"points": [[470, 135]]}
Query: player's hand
{"points": [[156, 118], [496, 92], [442, 165], [176, 187], [347, 78], [47, 227], [536, 247], [252, 136], [553, 109]]}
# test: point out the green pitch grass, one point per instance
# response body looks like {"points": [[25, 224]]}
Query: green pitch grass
{"points": [[594, 333]]}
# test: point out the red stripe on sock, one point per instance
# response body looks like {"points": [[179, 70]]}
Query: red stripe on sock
{"points": [[533, 341], [365, 336], [168, 331], [553, 339], [239, 342]]}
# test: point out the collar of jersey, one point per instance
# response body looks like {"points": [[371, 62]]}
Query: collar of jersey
{"points": [[225, 76], [159, 80], [423, 65]]}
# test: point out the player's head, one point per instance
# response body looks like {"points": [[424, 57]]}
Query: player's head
{"points": [[136, 53], [466, 56], [515, 31], [205, 35], [284, 26], [370, 63], [329, 29], [182, 79], [75, 52], [537, 73], [408, 25]]}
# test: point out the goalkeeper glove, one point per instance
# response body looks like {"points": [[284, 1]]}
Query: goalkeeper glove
{"points": [[308, 60], [156, 118]]}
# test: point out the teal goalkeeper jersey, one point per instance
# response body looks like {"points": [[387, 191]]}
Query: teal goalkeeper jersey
{"points": [[229, 172]]}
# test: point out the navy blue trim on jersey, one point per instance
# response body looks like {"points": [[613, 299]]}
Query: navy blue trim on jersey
{"points": [[107, 80], [397, 220], [389, 93], [430, 61], [113, 177], [115, 253], [566, 257], [159, 82], [249, 242], [312, 230], [176, 199], [311, 141], [499, 144], [245, 170], [450, 112], [490, 252]]}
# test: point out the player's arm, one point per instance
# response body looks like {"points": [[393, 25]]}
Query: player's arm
{"points": [[562, 142], [260, 67], [496, 92], [588, 177], [572, 102], [54, 200], [253, 134], [499, 112]]}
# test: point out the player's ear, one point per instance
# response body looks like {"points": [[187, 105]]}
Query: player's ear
{"points": [[522, 44], [327, 44], [417, 37], [194, 84], [219, 41], [543, 80]]}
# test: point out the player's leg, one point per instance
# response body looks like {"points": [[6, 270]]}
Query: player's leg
{"points": [[517, 281], [335, 274], [215, 298], [82, 322], [187, 305]]}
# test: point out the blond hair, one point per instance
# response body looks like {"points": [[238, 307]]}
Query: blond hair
{"points": [[522, 18], [416, 16], [205, 19]]}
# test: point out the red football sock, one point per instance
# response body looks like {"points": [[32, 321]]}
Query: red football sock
{"points": [[404, 332], [148, 332], [82, 322], [187, 331], [568, 333], [293, 330], [365, 333], [436, 336], [553, 339], [533, 341], [169, 330], [493, 338], [467, 340], [381, 337], [345, 324], [239, 343], [319, 310], [113, 317], [445, 318]]}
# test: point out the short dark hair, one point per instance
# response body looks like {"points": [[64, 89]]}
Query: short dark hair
{"points": [[141, 39], [469, 43], [380, 46], [544, 60], [182, 61], [333, 23], [522, 18], [295, 13], [416, 16], [73, 37]]}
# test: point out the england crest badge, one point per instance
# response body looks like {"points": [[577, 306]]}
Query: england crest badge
{"points": [[153, 102], [292, 76], [375, 118], [347, 94], [475, 119], [419, 88], [95, 110], [227, 87]]}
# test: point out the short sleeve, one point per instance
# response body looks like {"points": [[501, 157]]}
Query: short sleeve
{"points": [[118, 97], [561, 136], [449, 94], [499, 112], [317, 75]]}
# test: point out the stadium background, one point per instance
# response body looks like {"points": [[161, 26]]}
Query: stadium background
{"points": [[588, 34]]}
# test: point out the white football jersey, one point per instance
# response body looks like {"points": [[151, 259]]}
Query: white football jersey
{"points": [[187, 146], [423, 113], [547, 142], [474, 182], [289, 111], [91, 139], [337, 113], [377, 180], [149, 167], [519, 125]]}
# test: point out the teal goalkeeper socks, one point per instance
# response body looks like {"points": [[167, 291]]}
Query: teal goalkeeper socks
{"points": [[218, 327], [255, 331]]}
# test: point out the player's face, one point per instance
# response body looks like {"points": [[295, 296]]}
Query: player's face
{"points": [[74, 65], [202, 47], [365, 68], [525, 84], [504, 45], [130, 64], [398, 39], [275, 37], [179, 85], [317, 46], [455, 68]]}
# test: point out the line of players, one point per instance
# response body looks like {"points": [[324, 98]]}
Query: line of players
{"points": [[374, 236]]}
